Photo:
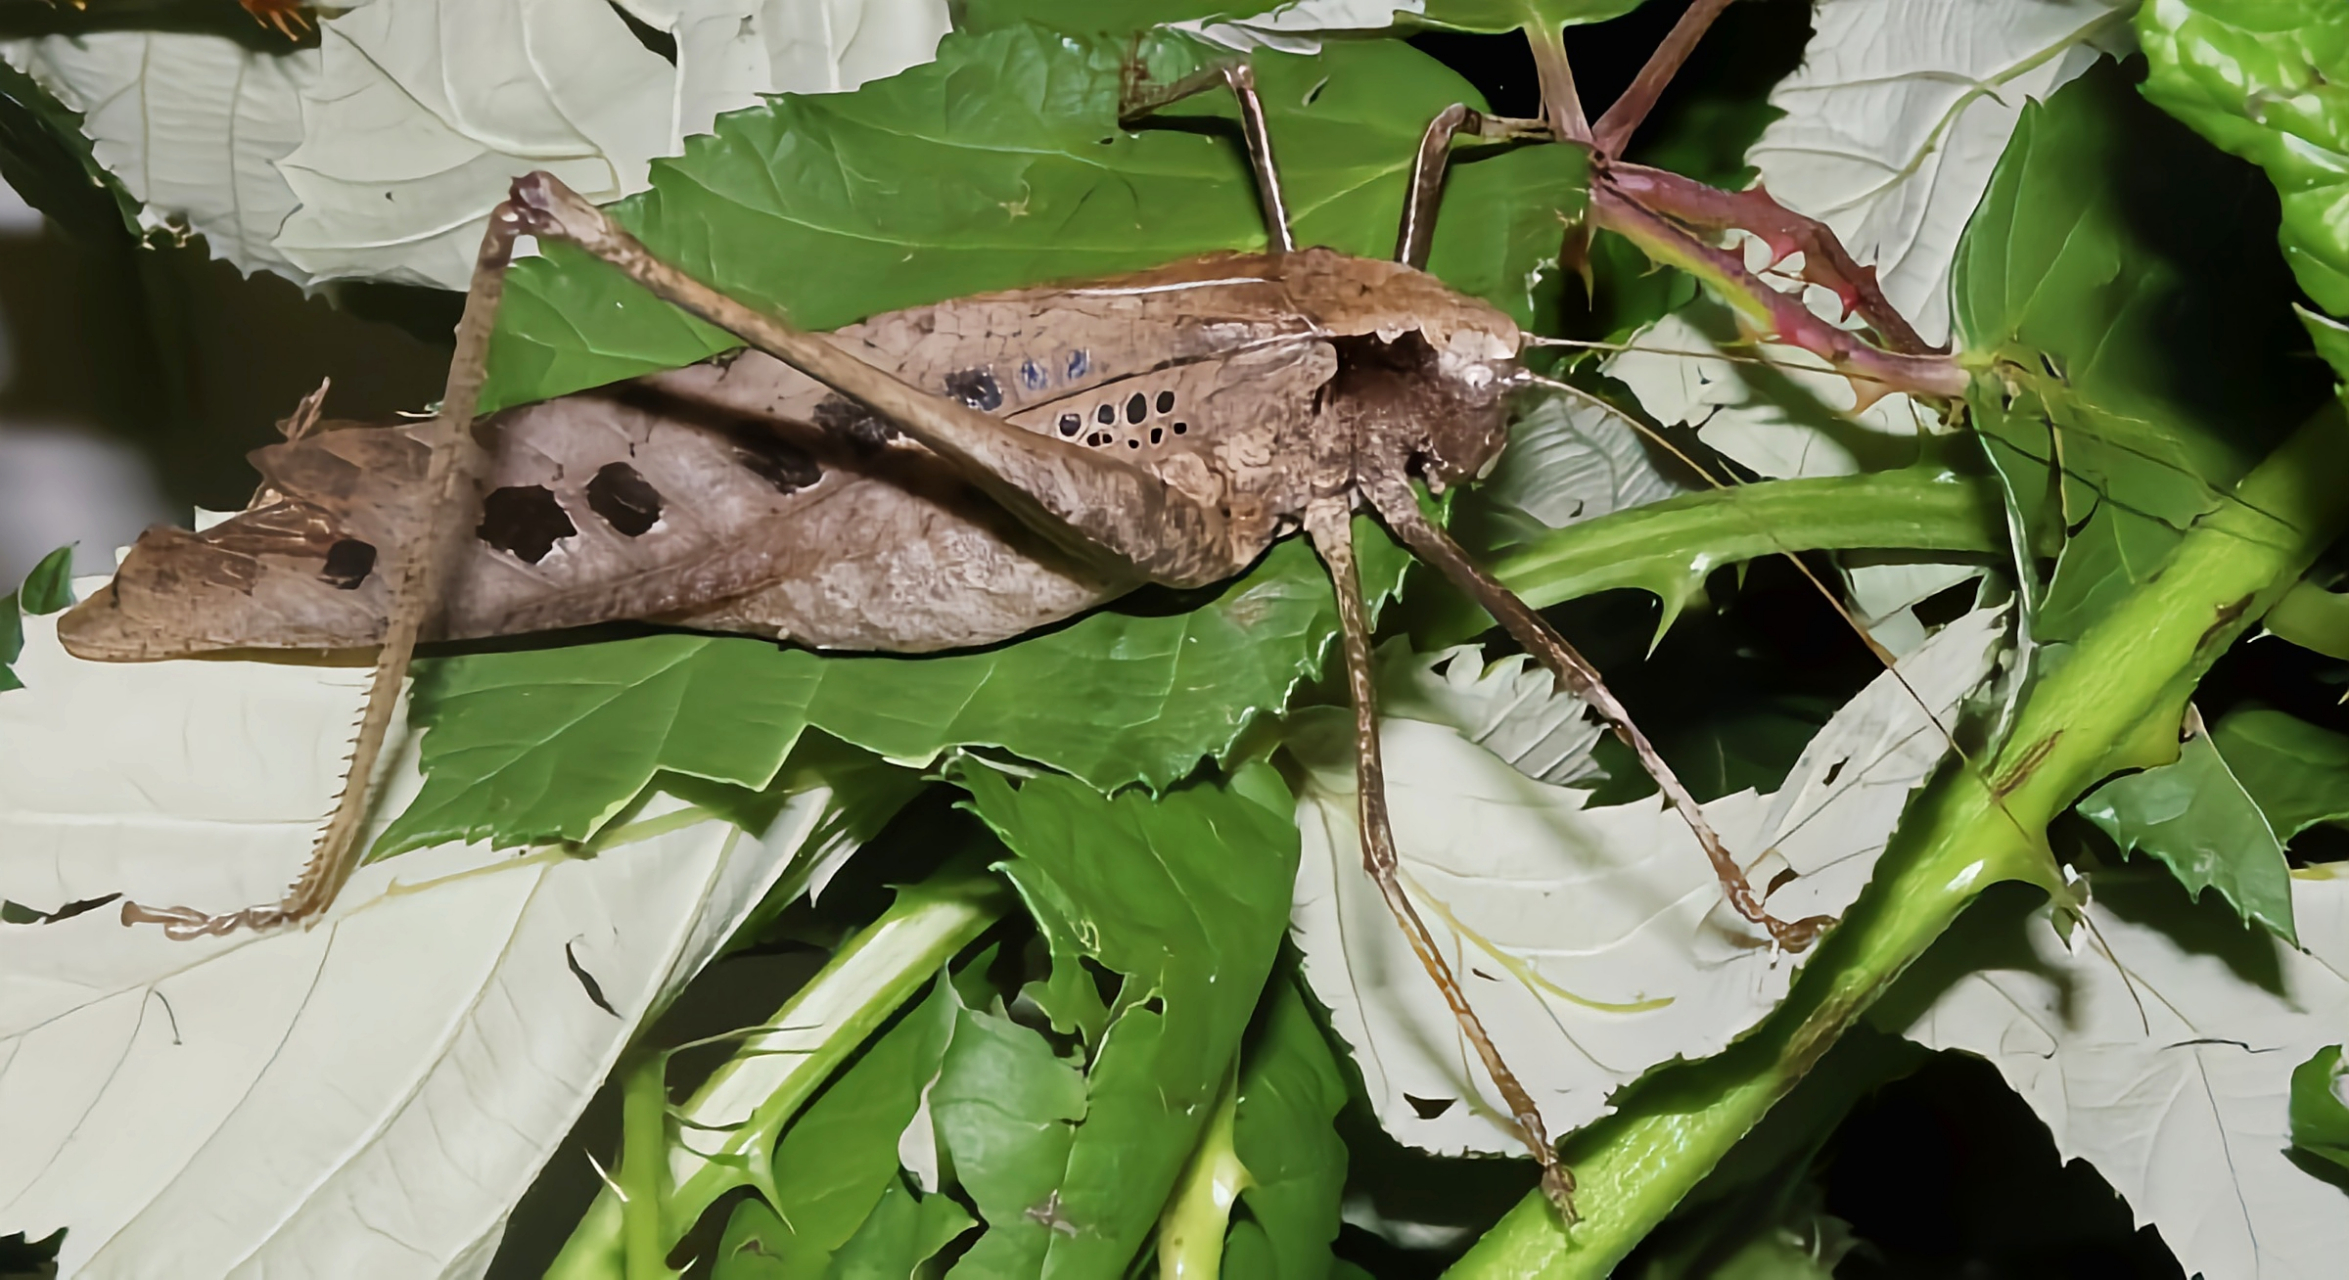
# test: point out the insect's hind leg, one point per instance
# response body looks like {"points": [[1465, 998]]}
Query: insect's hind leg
{"points": [[1400, 509], [414, 602], [1331, 526]]}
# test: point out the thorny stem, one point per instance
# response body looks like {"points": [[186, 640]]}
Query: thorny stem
{"points": [[644, 1168], [1770, 313], [1624, 117], [2115, 704], [735, 1117], [1825, 261]]}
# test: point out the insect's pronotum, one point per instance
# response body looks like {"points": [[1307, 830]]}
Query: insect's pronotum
{"points": [[958, 474]]}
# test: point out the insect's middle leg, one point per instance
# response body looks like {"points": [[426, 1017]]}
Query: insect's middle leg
{"points": [[1330, 524]]}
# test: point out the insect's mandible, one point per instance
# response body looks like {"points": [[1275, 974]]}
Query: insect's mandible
{"points": [[934, 478]]}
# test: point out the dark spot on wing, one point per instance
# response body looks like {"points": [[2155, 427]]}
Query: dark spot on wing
{"points": [[1069, 422], [348, 563], [524, 521], [1106, 414], [1166, 402], [624, 498], [1079, 364], [1032, 375], [1157, 435], [1137, 408], [976, 388], [783, 465], [863, 429], [1182, 427]]}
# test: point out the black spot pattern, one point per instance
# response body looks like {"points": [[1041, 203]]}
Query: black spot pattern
{"points": [[524, 521], [348, 562], [1069, 422], [976, 388], [1137, 408], [1166, 402], [625, 499]]}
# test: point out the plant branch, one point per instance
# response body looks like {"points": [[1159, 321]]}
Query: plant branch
{"points": [[1825, 261], [1767, 312], [2116, 704], [1624, 117], [1560, 101], [739, 1112]]}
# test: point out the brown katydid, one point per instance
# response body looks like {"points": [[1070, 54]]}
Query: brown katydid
{"points": [[942, 477]]}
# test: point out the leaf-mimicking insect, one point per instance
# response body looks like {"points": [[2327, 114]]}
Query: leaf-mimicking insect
{"points": [[957, 474]]}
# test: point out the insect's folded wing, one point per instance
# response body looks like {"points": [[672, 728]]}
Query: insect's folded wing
{"points": [[627, 503]]}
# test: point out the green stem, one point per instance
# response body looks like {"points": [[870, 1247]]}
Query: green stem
{"points": [[644, 1167], [1669, 547], [1199, 1213], [2112, 704], [735, 1117]]}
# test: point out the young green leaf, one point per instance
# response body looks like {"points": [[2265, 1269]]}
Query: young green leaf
{"points": [[2269, 83], [2160, 1046], [2297, 773], [2083, 277], [1285, 1136], [1183, 901], [2199, 821], [2320, 1116], [837, 1163]]}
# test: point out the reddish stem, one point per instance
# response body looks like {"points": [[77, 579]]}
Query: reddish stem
{"points": [[1623, 118], [1781, 317], [1825, 262]]}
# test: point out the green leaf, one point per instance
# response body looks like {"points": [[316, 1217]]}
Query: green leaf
{"points": [[1003, 164], [1510, 15], [549, 744], [2141, 348], [49, 587], [11, 642], [1285, 1133], [2297, 773], [1185, 899], [1006, 1110], [2320, 1119], [46, 158], [2197, 820], [2269, 82], [46, 589], [904, 1231], [839, 1159]]}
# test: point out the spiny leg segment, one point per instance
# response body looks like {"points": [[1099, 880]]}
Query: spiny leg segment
{"points": [[415, 601]]}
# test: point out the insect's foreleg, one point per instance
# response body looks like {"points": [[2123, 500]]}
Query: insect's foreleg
{"points": [[1416, 235], [414, 602], [1330, 525], [1115, 516], [1398, 506], [1623, 118]]}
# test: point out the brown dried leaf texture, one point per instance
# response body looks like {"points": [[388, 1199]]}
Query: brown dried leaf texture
{"points": [[739, 495]]}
